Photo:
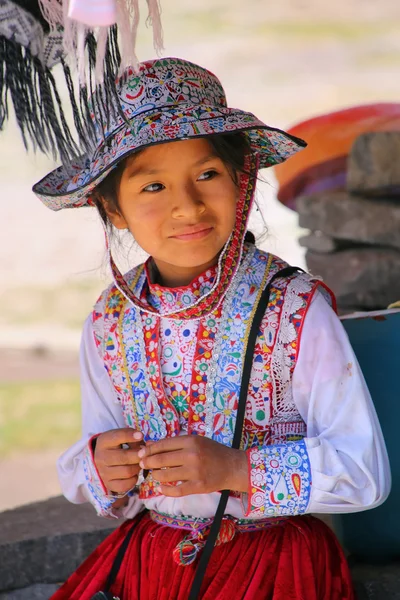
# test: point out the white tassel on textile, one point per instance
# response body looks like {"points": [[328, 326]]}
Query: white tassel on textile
{"points": [[81, 17], [154, 19], [128, 14]]}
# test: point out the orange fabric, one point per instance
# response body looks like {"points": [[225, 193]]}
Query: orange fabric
{"points": [[331, 136]]}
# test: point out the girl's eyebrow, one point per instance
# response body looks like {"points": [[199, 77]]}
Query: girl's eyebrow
{"points": [[133, 172], [143, 170], [205, 159]]}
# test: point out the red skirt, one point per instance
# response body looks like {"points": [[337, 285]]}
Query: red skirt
{"points": [[298, 560]]}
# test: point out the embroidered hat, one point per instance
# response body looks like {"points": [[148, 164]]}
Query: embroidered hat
{"points": [[168, 99]]}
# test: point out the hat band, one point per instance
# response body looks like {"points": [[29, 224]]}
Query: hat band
{"points": [[105, 140]]}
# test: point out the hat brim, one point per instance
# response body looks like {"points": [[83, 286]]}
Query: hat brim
{"points": [[71, 186]]}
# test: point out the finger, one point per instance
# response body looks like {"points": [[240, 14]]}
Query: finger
{"points": [[113, 458], [170, 475], [116, 437], [186, 488], [167, 459], [135, 445], [123, 472], [177, 442], [121, 486]]}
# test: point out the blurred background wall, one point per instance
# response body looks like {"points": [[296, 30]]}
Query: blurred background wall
{"points": [[285, 61]]}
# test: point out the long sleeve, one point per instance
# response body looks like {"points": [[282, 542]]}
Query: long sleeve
{"points": [[342, 464], [100, 412]]}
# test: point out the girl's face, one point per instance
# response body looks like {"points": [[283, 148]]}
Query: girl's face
{"points": [[179, 202]]}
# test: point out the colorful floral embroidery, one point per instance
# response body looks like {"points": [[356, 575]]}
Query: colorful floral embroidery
{"points": [[172, 375], [280, 480], [196, 524], [183, 347]]}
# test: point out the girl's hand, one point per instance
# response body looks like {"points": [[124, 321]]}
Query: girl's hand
{"points": [[118, 467], [198, 463]]}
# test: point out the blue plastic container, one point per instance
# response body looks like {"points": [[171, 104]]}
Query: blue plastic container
{"points": [[374, 535]]}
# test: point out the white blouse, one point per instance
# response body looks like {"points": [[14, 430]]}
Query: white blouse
{"points": [[349, 463]]}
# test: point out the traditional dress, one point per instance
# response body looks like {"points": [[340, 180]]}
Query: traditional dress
{"points": [[312, 438], [169, 362]]}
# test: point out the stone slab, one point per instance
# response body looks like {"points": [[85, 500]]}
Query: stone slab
{"points": [[46, 541], [362, 278], [357, 219], [377, 582], [317, 241], [374, 164], [39, 591]]}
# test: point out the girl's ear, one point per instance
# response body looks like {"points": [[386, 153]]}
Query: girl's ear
{"points": [[116, 218]]}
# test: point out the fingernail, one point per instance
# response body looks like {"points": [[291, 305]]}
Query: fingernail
{"points": [[142, 453], [141, 464], [137, 435]]}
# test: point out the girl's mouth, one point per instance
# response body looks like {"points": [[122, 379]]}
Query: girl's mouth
{"points": [[193, 233]]}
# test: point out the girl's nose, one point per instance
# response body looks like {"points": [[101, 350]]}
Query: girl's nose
{"points": [[187, 203]]}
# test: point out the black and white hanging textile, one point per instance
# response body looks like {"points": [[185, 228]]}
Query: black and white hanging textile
{"points": [[35, 35]]}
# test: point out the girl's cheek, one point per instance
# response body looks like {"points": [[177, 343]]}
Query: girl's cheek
{"points": [[146, 225], [149, 212]]}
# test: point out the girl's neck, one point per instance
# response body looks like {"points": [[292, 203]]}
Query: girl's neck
{"points": [[172, 276]]}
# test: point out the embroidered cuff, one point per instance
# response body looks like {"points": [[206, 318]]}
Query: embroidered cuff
{"points": [[279, 480], [100, 498]]}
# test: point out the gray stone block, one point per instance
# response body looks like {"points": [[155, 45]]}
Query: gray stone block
{"points": [[46, 541], [344, 217], [362, 279], [39, 591], [374, 164], [377, 582], [317, 241]]}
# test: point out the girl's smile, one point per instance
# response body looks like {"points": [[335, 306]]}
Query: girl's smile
{"points": [[179, 202], [197, 232]]}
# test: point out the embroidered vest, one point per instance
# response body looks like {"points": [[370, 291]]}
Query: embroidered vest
{"points": [[126, 337]]}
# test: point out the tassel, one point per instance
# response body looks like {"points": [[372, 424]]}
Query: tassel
{"points": [[127, 13], [52, 11], [99, 54], [154, 19], [186, 552], [102, 40], [37, 104], [128, 16], [226, 533]]}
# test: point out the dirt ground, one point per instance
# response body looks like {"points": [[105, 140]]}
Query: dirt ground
{"points": [[284, 61], [32, 476], [19, 364]]}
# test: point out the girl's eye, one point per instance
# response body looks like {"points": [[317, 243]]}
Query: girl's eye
{"points": [[207, 175], [153, 187]]}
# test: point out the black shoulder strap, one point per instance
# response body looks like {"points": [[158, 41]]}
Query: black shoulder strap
{"points": [[247, 367], [121, 553]]}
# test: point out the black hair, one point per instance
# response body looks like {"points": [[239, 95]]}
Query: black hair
{"points": [[231, 148]]}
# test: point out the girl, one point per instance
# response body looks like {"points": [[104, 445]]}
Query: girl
{"points": [[162, 361]]}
